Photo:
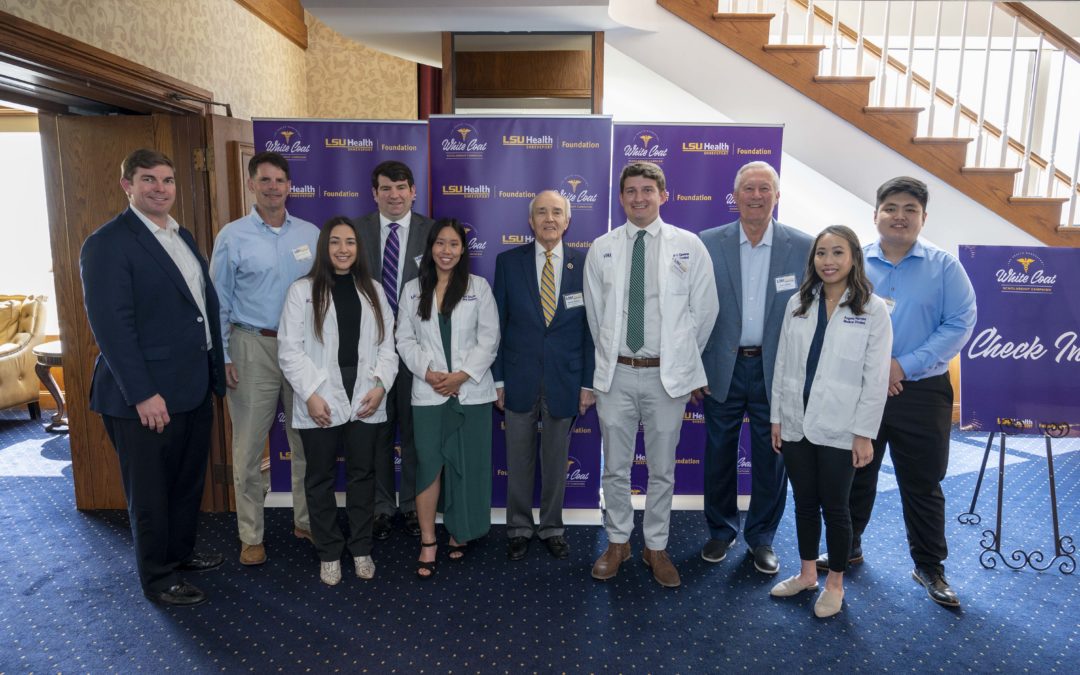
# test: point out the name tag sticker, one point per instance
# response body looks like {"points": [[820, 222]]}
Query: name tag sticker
{"points": [[572, 300], [301, 253], [785, 283], [890, 303]]}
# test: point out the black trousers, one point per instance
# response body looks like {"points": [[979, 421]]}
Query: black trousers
{"points": [[321, 449], [163, 477], [916, 428], [398, 421], [821, 485]]}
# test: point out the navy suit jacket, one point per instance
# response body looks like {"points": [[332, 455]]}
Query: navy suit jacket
{"points": [[560, 356], [790, 252], [150, 331]]}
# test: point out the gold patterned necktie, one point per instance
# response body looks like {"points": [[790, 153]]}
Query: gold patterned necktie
{"points": [[547, 289]]}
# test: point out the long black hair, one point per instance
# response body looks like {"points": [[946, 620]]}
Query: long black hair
{"points": [[429, 277], [859, 287], [322, 277]]}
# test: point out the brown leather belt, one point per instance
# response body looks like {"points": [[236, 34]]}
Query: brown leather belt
{"points": [[750, 351], [265, 332], [639, 363]]}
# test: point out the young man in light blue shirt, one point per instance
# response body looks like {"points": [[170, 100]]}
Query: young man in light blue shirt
{"points": [[932, 306], [255, 260]]}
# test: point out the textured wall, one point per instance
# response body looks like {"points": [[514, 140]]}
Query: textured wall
{"points": [[220, 46], [352, 81]]}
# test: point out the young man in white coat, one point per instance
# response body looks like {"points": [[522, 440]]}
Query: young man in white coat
{"points": [[646, 370]]}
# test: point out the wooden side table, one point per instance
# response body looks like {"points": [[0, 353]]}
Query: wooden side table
{"points": [[49, 355]]}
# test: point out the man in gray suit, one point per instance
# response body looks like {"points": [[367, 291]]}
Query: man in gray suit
{"points": [[394, 238], [758, 264]]}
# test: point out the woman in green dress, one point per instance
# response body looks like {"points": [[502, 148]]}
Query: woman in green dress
{"points": [[448, 335]]}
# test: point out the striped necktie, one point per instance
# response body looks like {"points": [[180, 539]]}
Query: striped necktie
{"points": [[390, 267], [635, 310], [547, 290]]}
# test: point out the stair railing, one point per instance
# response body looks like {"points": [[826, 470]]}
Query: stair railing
{"points": [[1030, 70]]}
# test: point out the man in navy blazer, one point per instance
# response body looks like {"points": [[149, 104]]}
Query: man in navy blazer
{"points": [[758, 264], [154, 315], [543, 370]]}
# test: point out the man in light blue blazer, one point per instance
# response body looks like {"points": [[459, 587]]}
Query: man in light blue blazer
{"points": [[543, 371], [758, 264]]}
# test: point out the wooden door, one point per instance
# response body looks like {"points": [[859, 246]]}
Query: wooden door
{"points": [[230, 143], [82, 156]]}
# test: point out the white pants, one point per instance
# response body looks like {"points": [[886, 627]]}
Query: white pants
{"points": [[637, 397]]}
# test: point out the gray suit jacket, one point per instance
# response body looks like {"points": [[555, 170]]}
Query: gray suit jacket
{"points": [[790, 252], [368, 229]]}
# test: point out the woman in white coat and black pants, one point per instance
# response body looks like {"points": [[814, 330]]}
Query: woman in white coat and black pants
{"points": [[336, 348], [830, 382]]}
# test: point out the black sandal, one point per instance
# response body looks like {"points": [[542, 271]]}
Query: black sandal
{"points": [[459, 549], [429, 566]]}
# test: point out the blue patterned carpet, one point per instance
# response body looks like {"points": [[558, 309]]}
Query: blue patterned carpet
{"points": [[71, 600]]}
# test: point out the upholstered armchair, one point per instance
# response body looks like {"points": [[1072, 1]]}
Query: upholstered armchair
{"points": [[22, 327]]}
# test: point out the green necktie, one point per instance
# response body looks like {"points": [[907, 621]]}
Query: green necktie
{"points": [[635, 315]]}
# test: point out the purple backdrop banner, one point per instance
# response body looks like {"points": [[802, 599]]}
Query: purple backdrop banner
{"points": [[700, 162], [484, 172], [330, 163], [1019, 371]]}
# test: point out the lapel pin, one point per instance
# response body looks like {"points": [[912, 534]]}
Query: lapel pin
{"points": [[569, 266]]}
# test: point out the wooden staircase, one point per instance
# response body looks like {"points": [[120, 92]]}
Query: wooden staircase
{"points": [[847, 97]]}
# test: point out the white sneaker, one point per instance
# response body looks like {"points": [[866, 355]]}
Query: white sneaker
{"points": [[828, 603], [330, 573], [791, 586], [365, 566]]}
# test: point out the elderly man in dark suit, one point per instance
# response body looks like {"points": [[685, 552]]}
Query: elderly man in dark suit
{"points": [[758, 264], [393, 237], [154, 314], [543, 371]]}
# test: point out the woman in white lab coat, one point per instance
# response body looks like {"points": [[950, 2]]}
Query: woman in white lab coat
{"points": [[448, 335], [336, 348], [830, 383]]}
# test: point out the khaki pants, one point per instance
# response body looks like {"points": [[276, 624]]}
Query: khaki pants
{"points": [[251, 407]]}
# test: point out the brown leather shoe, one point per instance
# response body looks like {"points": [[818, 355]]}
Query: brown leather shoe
{"points": [[663, 570], [301, 533], [607, 565], [252, 554]]}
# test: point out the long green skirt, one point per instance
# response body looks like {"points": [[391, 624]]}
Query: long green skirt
{"points": [[455, 439]]}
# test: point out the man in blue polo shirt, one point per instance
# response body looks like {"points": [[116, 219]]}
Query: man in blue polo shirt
{"points": [[932, 305], [255, 260]]}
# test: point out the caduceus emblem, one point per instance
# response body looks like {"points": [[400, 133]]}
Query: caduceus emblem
{"points": [[645, 138], [464, 131], [288, 135], [574, 182], [1026, 262]]}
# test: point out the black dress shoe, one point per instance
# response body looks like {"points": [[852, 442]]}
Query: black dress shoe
{"points": [[517, 548], [200, 562], [715, 550], [936, 586], [854, 558], [381, 529], [412, 524], [765, 560], [557, 547], [181, 594]]}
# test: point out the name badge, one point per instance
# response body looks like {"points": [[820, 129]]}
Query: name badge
{"points": [[301, 253], [785, 283], [572, 300], [891, 304]]}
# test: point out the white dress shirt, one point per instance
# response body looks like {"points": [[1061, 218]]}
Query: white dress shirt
{"points": [[651, 347]]}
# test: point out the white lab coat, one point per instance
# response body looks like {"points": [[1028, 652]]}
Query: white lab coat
{"points": [[852, 378], [311, 367], [474, 342], [688, 306]]}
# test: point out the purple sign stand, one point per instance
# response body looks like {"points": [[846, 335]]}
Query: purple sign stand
{"points": [[700, 162], [1019, 372], [330, 163], [484, 172]]}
